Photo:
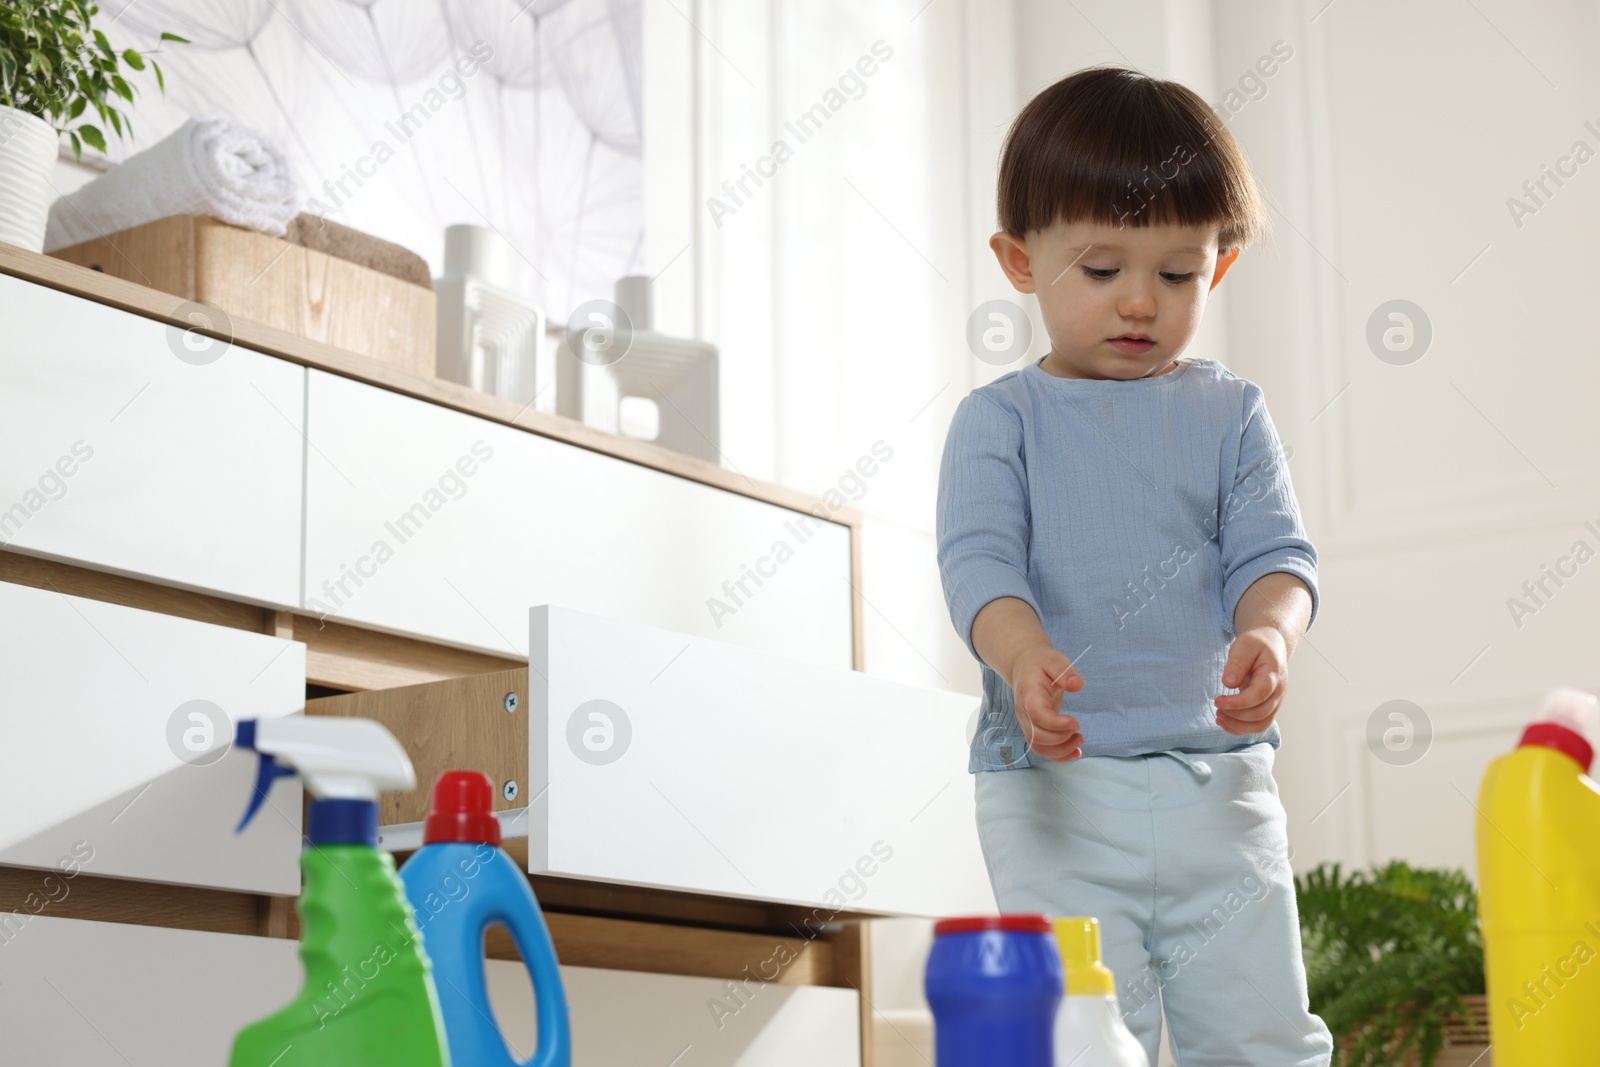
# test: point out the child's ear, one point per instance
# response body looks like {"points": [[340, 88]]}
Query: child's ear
{"points": [[1012, 252], [1224, 261]]}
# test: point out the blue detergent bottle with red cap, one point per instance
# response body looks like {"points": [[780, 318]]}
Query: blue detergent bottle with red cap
{"points": [[994, 983], [459, 883]]}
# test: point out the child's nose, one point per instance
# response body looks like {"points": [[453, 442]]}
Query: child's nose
{"points": [[1138, 301]]}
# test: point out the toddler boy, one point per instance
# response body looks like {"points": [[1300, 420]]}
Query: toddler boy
{"points": [[1117, 508]]}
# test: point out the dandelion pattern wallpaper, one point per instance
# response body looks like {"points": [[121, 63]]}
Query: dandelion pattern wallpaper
{"points": [[402, 117]]}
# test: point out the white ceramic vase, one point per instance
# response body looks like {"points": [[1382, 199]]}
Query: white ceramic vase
{"points": [[27, 157], [490, 336]]}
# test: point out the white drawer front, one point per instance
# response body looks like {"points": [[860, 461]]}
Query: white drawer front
{"points": [[429, 521], [667, 760], [625, 1018], [116, 453], [98, 994], [95, 707], [95, 994]]}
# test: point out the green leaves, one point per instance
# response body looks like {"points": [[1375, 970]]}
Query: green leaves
{"points": [[50, 68], [1390, 952]]}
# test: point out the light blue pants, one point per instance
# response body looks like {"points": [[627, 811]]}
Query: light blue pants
{"points": [[1183, 857]]}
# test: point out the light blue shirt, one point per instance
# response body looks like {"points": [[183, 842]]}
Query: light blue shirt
{"points": [[1131, 516]]}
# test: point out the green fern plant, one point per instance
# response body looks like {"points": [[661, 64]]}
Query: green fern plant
{"points": [[1390, 952]]}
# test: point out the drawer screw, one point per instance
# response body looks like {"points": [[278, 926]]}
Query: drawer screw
{"points": [[509, 791], [511, 701]]}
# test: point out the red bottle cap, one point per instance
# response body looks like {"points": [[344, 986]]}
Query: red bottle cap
{"points": [[463, 810], [1025, 922], [1562, 739]]}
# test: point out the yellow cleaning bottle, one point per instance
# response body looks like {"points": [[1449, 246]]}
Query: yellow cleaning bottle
{"points": [[1089, 1027], [1538, 838]]}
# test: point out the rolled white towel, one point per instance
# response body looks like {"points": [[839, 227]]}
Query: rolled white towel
{"points": [[208, 166]]}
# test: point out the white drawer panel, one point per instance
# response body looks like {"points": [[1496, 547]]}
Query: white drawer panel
{"points": [[667, 760], [625, 1018], [429, 521], [95, 710], [118, 454], [98, 994]]}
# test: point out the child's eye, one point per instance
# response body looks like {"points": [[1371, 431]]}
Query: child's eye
{"points": [[1101, 274]]}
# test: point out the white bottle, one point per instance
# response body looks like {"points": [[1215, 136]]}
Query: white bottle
{"points": [[1089, 1027]]}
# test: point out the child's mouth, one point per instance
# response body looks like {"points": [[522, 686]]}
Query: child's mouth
{"points": [[1132, 346]]}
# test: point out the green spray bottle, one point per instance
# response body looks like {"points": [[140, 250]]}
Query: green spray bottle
{"points": [[369, 995]]}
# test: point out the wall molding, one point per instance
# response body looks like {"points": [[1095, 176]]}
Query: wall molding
{"points": [[1452, 717]]}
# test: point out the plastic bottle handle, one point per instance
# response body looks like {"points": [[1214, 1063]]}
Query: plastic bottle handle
{"points": [[549, 1001]]}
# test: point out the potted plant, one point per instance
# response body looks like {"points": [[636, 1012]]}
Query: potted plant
{"points": [[1394, 964], [54, 68]]}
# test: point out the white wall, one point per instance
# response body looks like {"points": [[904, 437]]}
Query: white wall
{"points": [[1387, 147], [1435, 489]]}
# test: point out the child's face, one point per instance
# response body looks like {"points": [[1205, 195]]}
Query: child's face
{"points": [[1098, 283]]}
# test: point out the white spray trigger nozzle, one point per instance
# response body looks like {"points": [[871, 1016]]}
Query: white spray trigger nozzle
{"points": [[353, 759]]}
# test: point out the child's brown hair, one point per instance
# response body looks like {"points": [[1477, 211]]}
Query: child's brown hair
{"points": [[1113, 146]]}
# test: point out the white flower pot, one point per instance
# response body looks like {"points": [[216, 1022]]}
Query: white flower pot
{"points": [[27, 159]]}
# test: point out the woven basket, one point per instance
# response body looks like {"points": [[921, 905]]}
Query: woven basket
{"points": [[1466, 1041]]}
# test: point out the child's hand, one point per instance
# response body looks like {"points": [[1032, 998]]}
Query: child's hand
{"points": [[1258, 665], [1039, 677]]}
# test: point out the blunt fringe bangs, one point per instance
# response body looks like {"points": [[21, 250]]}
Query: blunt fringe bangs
{"points": [[1117, 147]]}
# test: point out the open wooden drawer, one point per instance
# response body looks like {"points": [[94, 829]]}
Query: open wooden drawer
{"points": [[636, 756]]}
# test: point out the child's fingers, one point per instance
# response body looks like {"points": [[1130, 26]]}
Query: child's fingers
{"points": [[1252, 725], [1259, 687], [1070, 680], [1054, 744], [1057, 672], [1242, 659], [1041, 712], [1041, 742], [1048, 728], [1059, 749], [1062, 753], [1040, 686], [1240, 728], [1249, 720]]}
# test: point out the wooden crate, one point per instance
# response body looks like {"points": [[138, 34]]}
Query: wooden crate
{"points": [[1466, 1041], [260, 278]]}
